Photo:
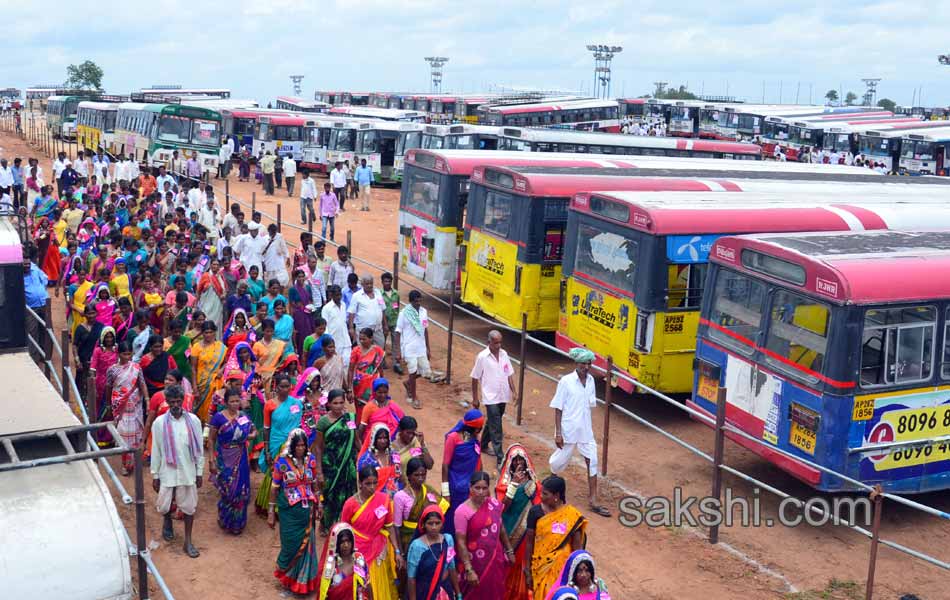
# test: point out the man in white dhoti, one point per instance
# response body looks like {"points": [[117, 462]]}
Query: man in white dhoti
{"points": [[573, 400]]}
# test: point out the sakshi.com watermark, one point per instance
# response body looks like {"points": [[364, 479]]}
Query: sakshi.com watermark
{"points": [[681, 510]]}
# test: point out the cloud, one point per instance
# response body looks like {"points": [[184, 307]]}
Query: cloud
{"points": [[250, 46]]}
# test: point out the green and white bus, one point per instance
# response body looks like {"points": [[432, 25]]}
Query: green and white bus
{"points": [[151, 132], [61, 115]]}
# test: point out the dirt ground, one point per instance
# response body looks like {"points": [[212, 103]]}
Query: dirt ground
{"points": [[636, 562]]}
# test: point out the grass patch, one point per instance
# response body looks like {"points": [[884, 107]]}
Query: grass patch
{"points": [[835, 589]]}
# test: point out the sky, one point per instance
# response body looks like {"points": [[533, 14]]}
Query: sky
{"points": [[776, 51]]}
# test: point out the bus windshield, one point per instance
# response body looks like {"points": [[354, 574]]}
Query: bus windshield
{"points": [[605, 256], [461, 142], [174, 129], [836, 142], [368, 141], [408, 141], [736, 313], [433, 142], [205, 132], [917, 150], [109, 124], [287, 133], [243, 126], [875, 146], [421, 192], [343, 140]]}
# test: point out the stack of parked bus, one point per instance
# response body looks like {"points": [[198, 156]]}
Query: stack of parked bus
{"points": [[825, 342]]}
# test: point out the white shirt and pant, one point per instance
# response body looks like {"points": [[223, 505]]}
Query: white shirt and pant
{"points": [[289, 166], [275, 260], [493, 375], [308, 193], [335, 316], [367, 312], [250, 249], [575, 400], [177, 481], [412, 344]]}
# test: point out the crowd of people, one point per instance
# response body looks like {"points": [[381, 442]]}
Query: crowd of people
{"points": [[219, 352], [653, 127]]}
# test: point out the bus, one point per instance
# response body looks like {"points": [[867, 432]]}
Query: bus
{"points": [[684, 118], [466, 107], [151, 132], [436, 183], [95, 125], [38, 96], [632, 108], [924, 153], [460, 137], [280, 135], [332, 98], [294, 104], [583, 114], [791, 134], [382, 114], [829, 343], [883, 146], [177, 90], [634, 293], [316, 143], [550, 140], [381, 143], [61, 114], [744, 122]]}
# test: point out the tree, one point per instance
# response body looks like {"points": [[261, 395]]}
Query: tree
{"points": [[849, 98], [85, 76], [680, 93], [832, 96], [887, 104]]}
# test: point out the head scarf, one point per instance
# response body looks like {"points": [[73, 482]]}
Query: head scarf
{"points": [[229, 328], [306, 378], [532, 488], [105, 330], [581, 355], [563, 593], [370, 438], [330, 556], [290, 359], [234, 374], [285, 449], [234, 363], [432, 508], [380, 381], [575, 559], [473, 418]]}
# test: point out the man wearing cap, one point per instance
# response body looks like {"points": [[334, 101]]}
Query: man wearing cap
{"points": [[573, 400], [251, 248]]}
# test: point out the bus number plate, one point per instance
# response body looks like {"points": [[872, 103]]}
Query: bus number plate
{"points": [[863, 409], [803, 439]]}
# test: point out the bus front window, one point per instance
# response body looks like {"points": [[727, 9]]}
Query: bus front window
{"points": [[205, 132], [798, 332], [174, 129], [408, 141], [367, 142], [423, 192], [462, 142], [343, 140], [607, 257], [736, 313]]}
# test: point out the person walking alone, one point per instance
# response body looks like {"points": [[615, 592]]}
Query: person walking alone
{"points": [[308, 192], [329, 209], [338, 181], [267, 169], [364, 179], [493, 376], [290, 175]]}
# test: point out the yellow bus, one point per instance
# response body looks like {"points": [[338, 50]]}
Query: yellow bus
{"points": [[95, 125]]}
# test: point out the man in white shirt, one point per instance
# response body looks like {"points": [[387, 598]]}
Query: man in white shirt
{"points": [[122, 169], [196, 197], [338, 181], [6, 177], [59, 165], [341, 268], [231, 220], [494, 377], [209, 219], [224, 160], [133, 168], [163, 178], [251, 248], [290, 173], [411, 344], [334, 313], [177, 464], [366, 312], [308, 193], [176, 164], [82, 167], [275, 257], [572, 403]]}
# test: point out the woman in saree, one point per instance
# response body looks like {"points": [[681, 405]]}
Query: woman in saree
{"points": [[383, 409], [377, 452], [238, 330], [77, 294], [282, 414], [87, 235], [579, 576], [179, 347], [518, 490], [103, 357], [410, 443], [335, 446], [308, 390], [370, 512], [212, 290], [343, 570], [35, 189], [47, 246], [149, 297], [295, 495], [365, 361], [481, 542], [290, 366], [207, 358], [313, 343], [332, 371], [120, 284], [283, 326], [125, 388], [229, 465], [269, 351], [430, 560], [233, 381], [410, 501], [156, 363], [242, 359], [460, 459], [300, 296], [554, 530]]}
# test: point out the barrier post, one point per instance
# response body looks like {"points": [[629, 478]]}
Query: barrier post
{"points": [[523, 357], [140, 541], [608, 400], [253, 203], [64, 342], [451, 333], [46, 331], [309, 222], [717, 456], [396, 270], [349, 241], [227, 193], [278, 218], [92, 403], [878, 499]]}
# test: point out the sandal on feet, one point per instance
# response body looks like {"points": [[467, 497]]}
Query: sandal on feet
{"points": [[600, 510], [415, 403], [191, 551]]}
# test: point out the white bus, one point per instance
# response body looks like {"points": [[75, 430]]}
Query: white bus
{"points": [[924, 153], [381, 143], [292, 103], [884, 145], [460, 137], [383, 114]]}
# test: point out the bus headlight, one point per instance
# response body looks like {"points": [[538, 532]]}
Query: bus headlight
{"points": [[643, 331]]}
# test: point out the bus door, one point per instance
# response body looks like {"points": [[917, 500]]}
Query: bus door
{"points": [[940, 156], [546, 245], [419, 218]]}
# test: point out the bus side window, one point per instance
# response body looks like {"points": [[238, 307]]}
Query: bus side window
{"points": [[898, 345], [497, 212], [685, 284], [945, 364], [798, 331], [737, 310]]}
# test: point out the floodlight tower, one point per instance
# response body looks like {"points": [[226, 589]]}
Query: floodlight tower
{"points": [[870, 92], [296, 79], [603, 54], [435, 68]]}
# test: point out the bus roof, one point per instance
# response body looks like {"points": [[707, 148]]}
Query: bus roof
{"points": [[99, 105], [285, 119], [513, 109], [632, 100], [465, 128], [618, 139], [375, 111], [940, 135], [672, 213], [880, 121], [463, 162], [848, 268], [901, 130], [301, 102]]}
